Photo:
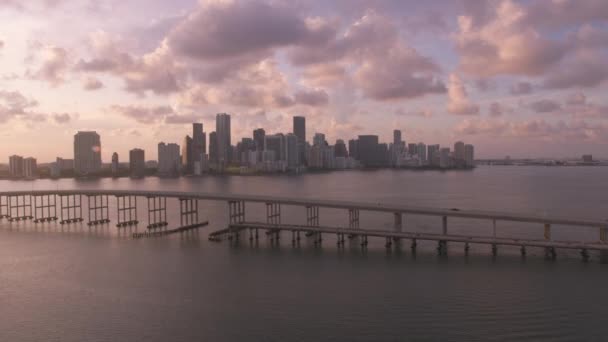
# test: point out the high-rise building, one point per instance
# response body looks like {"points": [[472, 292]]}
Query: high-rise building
{"points": [[412, 149], [87, 153], [368, 148], [187, 155], [115, 164], [65, 165], [213, 147], [444, 158], [299, 128], [137, 163], [421, 151], [169, 159], [30, 169], [353, 151], [459, 154], [222, 131], [397, 137], [469, 155], [319, 140], [258, 139], [340, 149], [433, 155], [199, 143], [276, 143], [292, 151], [15, 166]]}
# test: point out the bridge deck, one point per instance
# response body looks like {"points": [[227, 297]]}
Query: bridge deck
{"points": [[377, 207], [419, 236]]}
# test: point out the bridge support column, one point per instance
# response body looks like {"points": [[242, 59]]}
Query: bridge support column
{"points": [[603, 239], [157, 212], [71, 208], [312, 220], [126, 210], [236, 215], [353, 221], [585, 255], [466, 248], [549, 251], [273, 216], [20, 207], [45, 209], [188, 212], [442, 245], [522, 250], [98, 209], [4, 212]]}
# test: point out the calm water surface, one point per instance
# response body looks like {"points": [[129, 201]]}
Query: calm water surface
{"points": [[73, 283]]}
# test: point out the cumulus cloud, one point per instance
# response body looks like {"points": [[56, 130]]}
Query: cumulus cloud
{"points": [[521, 88], [314, 97], [62, 118], [586, 69], [576, 99], [54, 65], [142, 114], [545, 106], [496, 109], [459, 102], [92, 83]]}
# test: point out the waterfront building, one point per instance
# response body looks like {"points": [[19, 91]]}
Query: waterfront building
{"points": [[187, 155], [213, 148], [397, 137], [412, 149], [469, 155], [137, 163], [459, 154], [444, 158], [30, 168], [370, 152], [276, 143], [169, 160], [199, 142], [421, 152], [223, 139], [115, 164], [258, 138], [319, 140], [299, 128], [353, 151], [87, 153], [15, 166], [340, 149], [433, 155], [292, 151]]}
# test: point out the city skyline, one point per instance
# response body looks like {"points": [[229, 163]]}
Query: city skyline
{"points": [[495, 73]]}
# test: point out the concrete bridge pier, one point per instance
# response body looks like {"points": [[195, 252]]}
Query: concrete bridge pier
{"points": [[466, 248], [71, 208], [4, 212], [414, 245], [19, 207], [157, 212], [312, 220], [45, 208], [126, 211], [522, 250], [353, 221], [273, 217], [98, 209]]}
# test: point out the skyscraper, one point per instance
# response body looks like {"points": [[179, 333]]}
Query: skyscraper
{"points": [[15, 166], [444, 158], [87, 153], [137, 162], [421, 151], [114, 164], [469, 155], [30, 168], [199, 144], [168, 159], [368, 149], [213, 147], [276, 143], [353, 150], [459, 154], [187, 158], [258, 139], [299, 128], [292, 151], [222, 131], [340, 149], [433, 155], [397, 137], [319, 140]]}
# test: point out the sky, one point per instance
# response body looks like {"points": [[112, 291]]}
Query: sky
{"points": [[518, 78]]}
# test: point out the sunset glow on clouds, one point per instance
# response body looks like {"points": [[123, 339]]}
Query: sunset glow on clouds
{"points": [[523, 78]]}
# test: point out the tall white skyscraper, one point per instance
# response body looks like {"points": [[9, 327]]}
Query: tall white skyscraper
{"points": [[87, 153], [222, 131], [30, 168], [15, 166]]}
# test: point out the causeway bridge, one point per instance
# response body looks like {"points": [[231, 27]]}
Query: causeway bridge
{"points": [[72, 206]]}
